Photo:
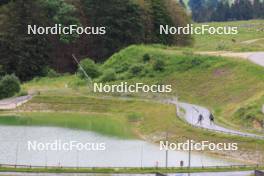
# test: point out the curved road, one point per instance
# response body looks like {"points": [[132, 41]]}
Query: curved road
{"points": [[192, 112], [257, 58], [12, 103]]}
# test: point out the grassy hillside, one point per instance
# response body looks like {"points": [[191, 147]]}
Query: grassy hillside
{"points": [[124, 118], [220, 84], [249, 38], [224, 85]]}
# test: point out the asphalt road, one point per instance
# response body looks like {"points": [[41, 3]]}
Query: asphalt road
{"points": [[11, 103], [257, 58], [192, 113]]}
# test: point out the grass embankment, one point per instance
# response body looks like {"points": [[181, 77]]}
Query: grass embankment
{"points": [[128, 170], [115, 117], [103, 115], [221, 84], [249, 38]]}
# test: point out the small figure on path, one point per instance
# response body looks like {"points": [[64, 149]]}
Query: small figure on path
{"points": [[211, 117], [200, 119]]}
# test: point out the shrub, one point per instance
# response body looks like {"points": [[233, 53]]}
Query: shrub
{"points": [[186, 64], [159, 65], [135, 70], [146, 58], [51, 73], [22, 93], [109, 75], [77, 83], [122, 68], [9, 86], [90, 68]]}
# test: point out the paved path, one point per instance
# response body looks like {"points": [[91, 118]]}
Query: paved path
{"points": [[12, 103], [257, 58], [192, 113], [251, 41]]}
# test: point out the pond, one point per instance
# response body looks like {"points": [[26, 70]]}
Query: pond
{"points": [[118, 152]]}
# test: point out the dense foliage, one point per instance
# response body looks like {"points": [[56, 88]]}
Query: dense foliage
{"points": [[88, 68], [9, 86], [23, 54], [223, 10], [127, 22]]}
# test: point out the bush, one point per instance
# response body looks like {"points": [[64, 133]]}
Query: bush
{"points": [[51, 73], [122, 68], [90, 68], [9, 86], [146, 58], [159, 65], [77, 83], [109, 75], [135, 70], [22, 93]]}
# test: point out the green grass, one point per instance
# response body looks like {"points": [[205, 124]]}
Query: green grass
{"points": [[116, 117], [101, 123], [250, 114], [248, 30], [128, 170], [221, 84]]}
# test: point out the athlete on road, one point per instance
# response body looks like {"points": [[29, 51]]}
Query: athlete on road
{"points": [[200, 119], [211, 117]]}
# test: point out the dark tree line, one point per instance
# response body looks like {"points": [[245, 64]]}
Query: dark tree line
{"points": [[223, 10], [127, 22]]}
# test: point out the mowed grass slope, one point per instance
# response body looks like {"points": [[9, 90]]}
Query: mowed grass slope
{"points": [[250, 37], [221, 84], [122, 118]]}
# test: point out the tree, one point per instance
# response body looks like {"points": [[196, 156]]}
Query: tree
{"points": [[242, 10], [258, 9], [28, 55], [9, 86], [178, 18], [20, 53], [199, 10], [222, 12], [160, 17], [182, 3], [89, 67], [123, 22]]}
